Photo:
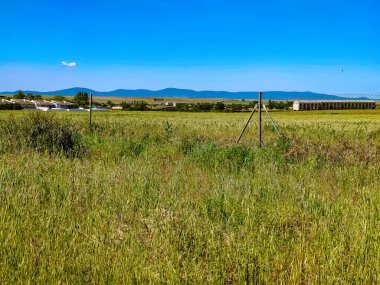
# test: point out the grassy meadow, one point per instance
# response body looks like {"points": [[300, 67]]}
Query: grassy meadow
{"points": [[170, 198]]}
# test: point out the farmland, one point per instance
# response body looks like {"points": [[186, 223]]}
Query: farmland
{"points": [[169, 197]]}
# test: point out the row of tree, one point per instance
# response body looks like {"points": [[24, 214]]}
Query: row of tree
{"points": [[138, 105], [279, 105], [81, 99], [20, 95], [233, 107]]}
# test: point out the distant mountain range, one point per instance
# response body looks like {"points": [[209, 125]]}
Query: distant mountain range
{"points": [[186, 93]]}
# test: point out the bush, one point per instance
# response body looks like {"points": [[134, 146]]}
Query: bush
{"points": [[58, 98], [19, 95], [10, 106], [203, 107], [139, 105], [81, 99], [219, 106], [279, 105], [31, 96], [41, 132]]}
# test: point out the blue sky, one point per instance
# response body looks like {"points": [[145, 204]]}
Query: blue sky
{"points": [[219, 45]]}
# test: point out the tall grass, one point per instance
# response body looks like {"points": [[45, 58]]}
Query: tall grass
{"points": [[169, 198], [40, 132]]}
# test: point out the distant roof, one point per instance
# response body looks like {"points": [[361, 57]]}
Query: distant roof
{"points": [[42, 102], [62, 103], [20, 101]]}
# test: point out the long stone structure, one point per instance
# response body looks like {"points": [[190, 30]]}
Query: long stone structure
{"points": [[333, 105]]}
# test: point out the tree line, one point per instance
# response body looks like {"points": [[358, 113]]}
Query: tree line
{"points": [[81, 99]]}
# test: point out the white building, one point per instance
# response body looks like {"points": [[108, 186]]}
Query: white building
{"points": [[25, 104], [333, 105], [170, 104], [62, 105]]}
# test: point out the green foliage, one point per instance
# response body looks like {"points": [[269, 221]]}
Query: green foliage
{"points": [[100, 105], [81, 99], [168, 129], [110, 103], [138, 105], [203, 107], [125, 105], [132, 148], [19, 95], [252, 104], [59, 98], [10, 106], [219, 106], [235, 108], [279, 105], [31, 96], [40, 132], [193, 209]]}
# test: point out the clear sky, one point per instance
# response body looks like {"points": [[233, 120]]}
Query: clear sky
{"points": [[330, 46]]}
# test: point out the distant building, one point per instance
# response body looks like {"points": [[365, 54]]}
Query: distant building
{"points": [[333, 105], [25, 104], [170, 104], [62, 105], [43, 105]]}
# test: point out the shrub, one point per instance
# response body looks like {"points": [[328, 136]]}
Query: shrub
{"points": [[279, 105], [203, 107], [31, 96], [10, 106], [19, 95], [219, 106], [59, 98], [138, 105], [41, 132], [81, 99]]}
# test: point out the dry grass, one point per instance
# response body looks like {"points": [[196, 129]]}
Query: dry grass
{"points": [[169, 198]]}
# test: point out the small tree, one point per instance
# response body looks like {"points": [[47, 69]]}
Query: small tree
{"points": [[203, 107], [252, 104], [271, 104], [280, 105], [125, 105], [20, 95], [110, 103], [140, 105], [29, 96], [236, 107], [219, 106], [288, 104], [81, 99], [59, 98]]}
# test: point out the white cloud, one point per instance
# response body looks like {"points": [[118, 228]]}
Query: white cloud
{"points": [[69, 64]]}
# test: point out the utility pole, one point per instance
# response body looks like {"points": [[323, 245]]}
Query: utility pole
{"points": [[260, 119], [90, 123]]}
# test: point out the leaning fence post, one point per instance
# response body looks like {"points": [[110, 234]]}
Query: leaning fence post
{"points": [[246, 124]]}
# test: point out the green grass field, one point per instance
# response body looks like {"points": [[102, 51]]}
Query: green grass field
{"points": [[161, 197]]}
